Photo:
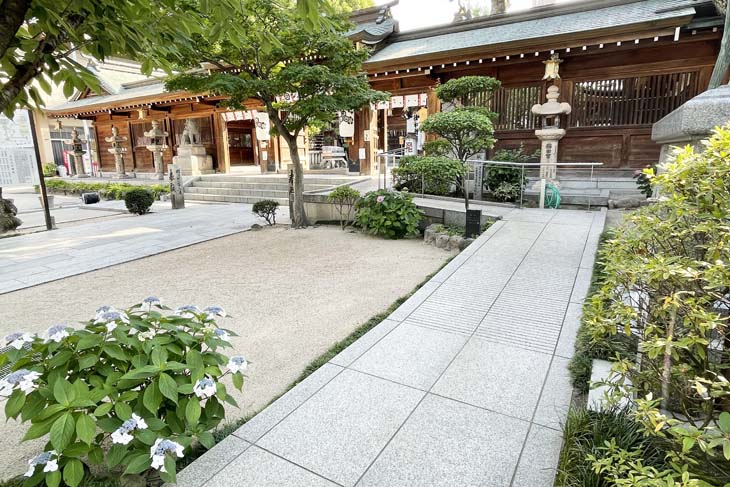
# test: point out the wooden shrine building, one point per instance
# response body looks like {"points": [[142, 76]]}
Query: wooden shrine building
{"points": [[625, 65]]}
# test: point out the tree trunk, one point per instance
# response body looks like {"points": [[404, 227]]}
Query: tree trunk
{"points": [[11, 19], [723, 59], [296, 210]]}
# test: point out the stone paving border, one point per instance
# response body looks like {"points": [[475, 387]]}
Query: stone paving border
{"points": [[433, 396], [37, 258]]}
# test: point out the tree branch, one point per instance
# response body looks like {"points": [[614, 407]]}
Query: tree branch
{"points": [[12, 18]]}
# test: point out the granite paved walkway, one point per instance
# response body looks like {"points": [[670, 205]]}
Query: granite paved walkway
{"points": [[466, 384], [27, 260]]}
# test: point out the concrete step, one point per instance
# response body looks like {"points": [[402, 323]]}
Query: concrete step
{"points": [[231, 198], [597, 183], [588, 197], [255, 186], [278, 179], [258, 193]]}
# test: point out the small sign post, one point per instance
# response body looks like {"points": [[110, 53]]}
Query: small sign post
{"points": [[473, 223]]}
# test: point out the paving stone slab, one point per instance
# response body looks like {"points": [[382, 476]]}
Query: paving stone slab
{"points": [[582, 285], [447, 443], [260, 424], [539, 460], [414, 301], [339, 431], [212, 462], [364, 343], [566, 344], [552, 410], [259, 468], [497, 377], [411, 355]]}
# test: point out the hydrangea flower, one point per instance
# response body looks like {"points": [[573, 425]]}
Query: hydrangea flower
{"points": [[18, 340], [213, 311], [381, 198], [150, 301], [162, 448], [187, 311], [111, 318], [47, 458], [56, 333], [146, 335], [22, 379], [205, 388], [237, 364], [104, 309], [221, 334], [122, 435]]}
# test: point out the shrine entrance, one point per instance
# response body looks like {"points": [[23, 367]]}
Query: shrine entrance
{"points": [[241, 142]]}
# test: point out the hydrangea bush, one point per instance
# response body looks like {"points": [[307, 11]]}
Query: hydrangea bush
{"points": [[389, 214], [128, 392]]}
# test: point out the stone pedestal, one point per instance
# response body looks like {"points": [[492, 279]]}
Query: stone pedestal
{"points": [[79, 165], [177, 190], [192, 160], [549, 138], [692, 122]]}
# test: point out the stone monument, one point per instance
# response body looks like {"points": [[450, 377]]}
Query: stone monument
{"points": [[116, 141], [77, 148], [157, 146], [692, 122], [177, 190], [191, 156], [550, 133]]}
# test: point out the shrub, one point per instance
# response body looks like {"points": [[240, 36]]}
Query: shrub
{"points": [[49, 169], [344, 199], [110, 191], [266, 209], [389, 214], [643, 181], [505, 183], [138, 200], [128, 393], [667, 286], [426, 174]]}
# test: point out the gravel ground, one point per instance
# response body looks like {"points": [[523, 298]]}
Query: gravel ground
{"points": [[291, 295]]}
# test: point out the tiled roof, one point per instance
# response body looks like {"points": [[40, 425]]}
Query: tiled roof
{"points": [[550, 21], [124, 94]]}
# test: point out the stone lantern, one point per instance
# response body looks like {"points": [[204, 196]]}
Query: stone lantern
{"points": [[157, 146], [550, 132], [77, 148], [116, 141]]}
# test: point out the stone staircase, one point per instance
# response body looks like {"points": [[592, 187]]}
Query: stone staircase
{"points": [[250, 189], [577, 188]]}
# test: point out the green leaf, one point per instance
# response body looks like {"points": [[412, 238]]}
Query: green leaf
{"points": [[206, 439], [39, 429], [170, 470], [62, 432], [168, 387], [88, 340], [60, 359], [115, 351], [724, 422], [15, 404], [34, 406], [138, 463], [124, 412], [86, 428], [96, 456], [76, 450], [237, 380], [103, 409], [152, 398], [64, 392], [192, 412], [143, 373], [53, 479], [109, 424], [116, 455], [86, 361]]}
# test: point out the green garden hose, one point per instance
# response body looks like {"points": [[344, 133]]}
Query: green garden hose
{"points": [[552, 196]]}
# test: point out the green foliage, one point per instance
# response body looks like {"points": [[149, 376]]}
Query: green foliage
{"points": [[49, 169], [266, 209], [505, 183], [667, 285], [344, 199], [138, 200], [468, 132], [437, 174], [643, 181], [104, 394], [466, 89], [110, 191], [589, 433], [389, 214]]}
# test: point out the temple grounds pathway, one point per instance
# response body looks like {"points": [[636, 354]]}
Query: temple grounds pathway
{"points": [[465, 384], [291, 294]]}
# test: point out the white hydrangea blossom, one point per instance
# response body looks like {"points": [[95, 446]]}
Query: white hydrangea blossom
{"points": [[111, 318], [213, 311], [150, 301], [160, 449], [18, 340], [221, 334], [187, 311], [122, 435], [205, 388], [237, 364], [49, 459], [57, 333], [22, 379], [146, 335]]}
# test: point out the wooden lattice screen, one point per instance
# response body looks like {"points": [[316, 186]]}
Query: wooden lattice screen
{"points": [[640, 100], [513, 106]]}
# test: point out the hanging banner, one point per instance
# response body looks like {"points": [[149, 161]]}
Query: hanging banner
{"points": [[261, 121], [347, 124], [411, 101], [382, 105], [423, 99], [237, 115], [396, 102], [288, 98]]}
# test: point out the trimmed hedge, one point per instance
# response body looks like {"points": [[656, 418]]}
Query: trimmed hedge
{"points": [[138, 200], [109, 191]]}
